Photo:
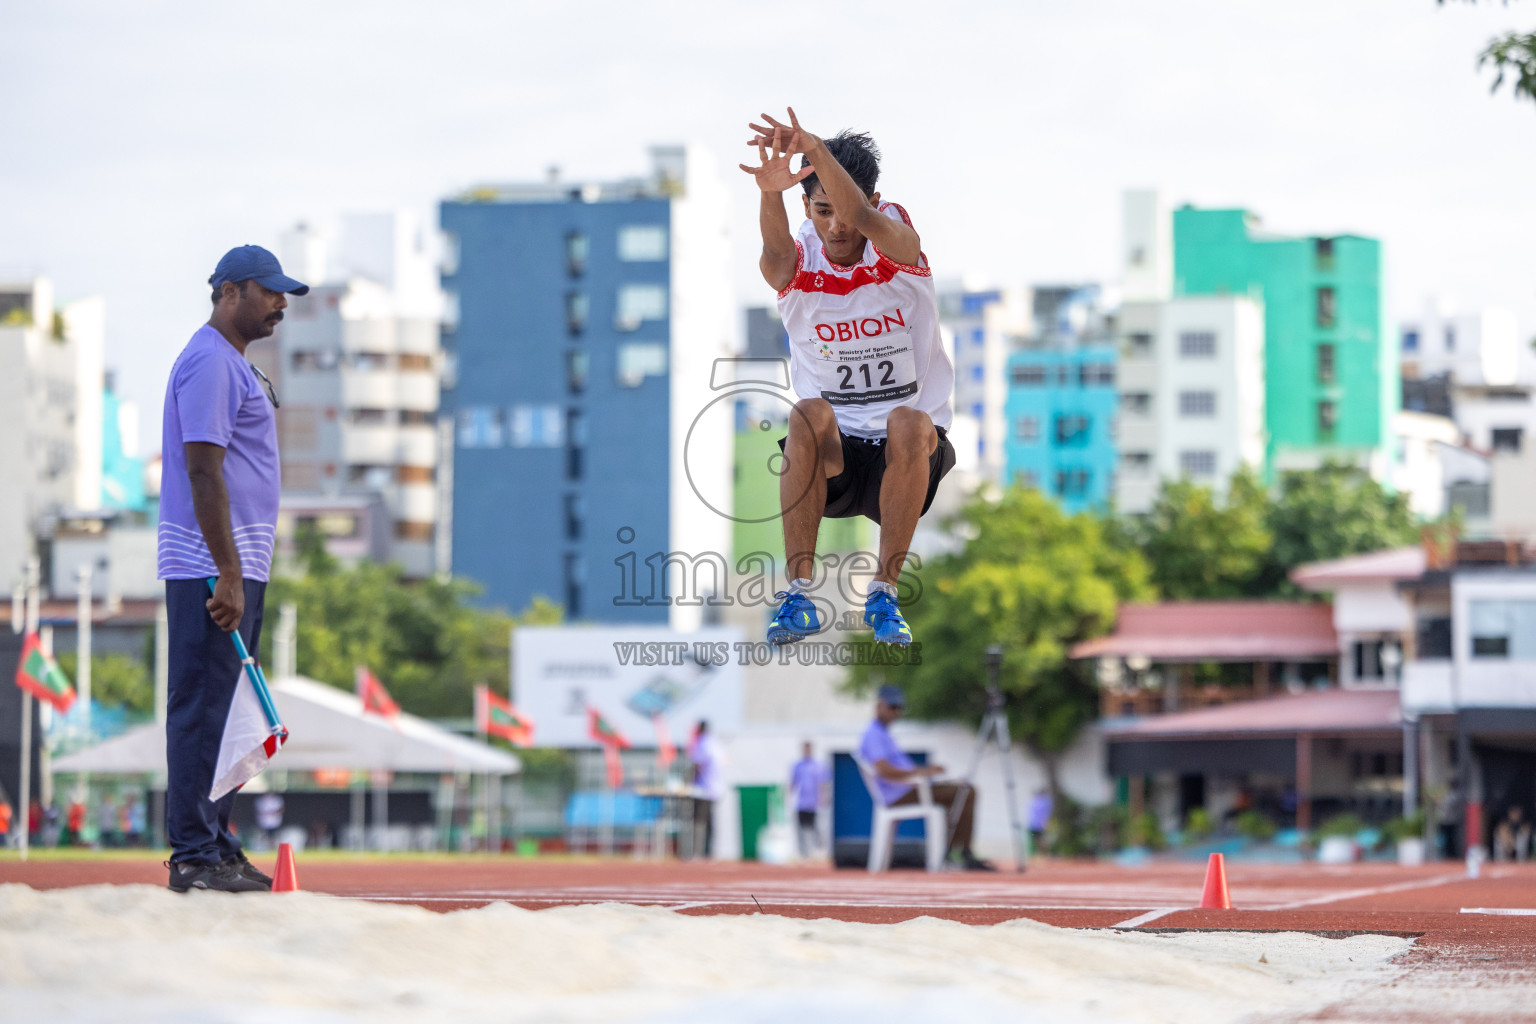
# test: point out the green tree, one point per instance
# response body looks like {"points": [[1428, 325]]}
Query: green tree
{"points": [[1513, 58], [117, 680], [1330, 512], [1033, 580], [423, 640], [1199, 548]]}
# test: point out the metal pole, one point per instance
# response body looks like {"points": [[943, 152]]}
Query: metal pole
{"points": [[1410, 767], [1005, 747], [30, 626]]}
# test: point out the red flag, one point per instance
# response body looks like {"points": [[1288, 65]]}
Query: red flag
{"points": [[373, 695], [615, 765], [41, 676], [666, 752], [600, 730], [497, 717]]}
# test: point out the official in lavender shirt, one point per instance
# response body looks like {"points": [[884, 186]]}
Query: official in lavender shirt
{"points": [[895, 772], [218, 520]]}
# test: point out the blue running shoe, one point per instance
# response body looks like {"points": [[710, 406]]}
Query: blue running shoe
{"points": [[880, 611], [796, 620]]}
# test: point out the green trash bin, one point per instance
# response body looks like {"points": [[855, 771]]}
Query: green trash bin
{"points": [[756, 802]]}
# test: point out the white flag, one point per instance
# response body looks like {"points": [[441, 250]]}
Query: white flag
{"points": [[252, 735]]}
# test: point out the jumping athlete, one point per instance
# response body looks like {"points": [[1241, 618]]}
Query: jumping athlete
{"points": [[867, 437]]}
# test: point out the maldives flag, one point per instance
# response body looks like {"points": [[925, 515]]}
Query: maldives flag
{"points": [[41, 676], [604, 733], [497, 717], [373, 695]]}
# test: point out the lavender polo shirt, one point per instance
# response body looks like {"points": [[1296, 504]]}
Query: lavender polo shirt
{"points": [[806, 780], [214, 396], [879, 745]]}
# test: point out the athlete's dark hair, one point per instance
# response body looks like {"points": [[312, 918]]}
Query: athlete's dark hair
{"points": [[859, 156]]}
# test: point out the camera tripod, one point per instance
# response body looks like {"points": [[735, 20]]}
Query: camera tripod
{"points": [[994, 732]]}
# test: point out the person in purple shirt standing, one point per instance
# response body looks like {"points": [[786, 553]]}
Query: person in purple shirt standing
{"points": [[895, 773], [218, 520], [807, 781]]}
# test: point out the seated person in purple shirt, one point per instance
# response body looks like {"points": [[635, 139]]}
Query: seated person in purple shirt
{"points": [[895, 771]]}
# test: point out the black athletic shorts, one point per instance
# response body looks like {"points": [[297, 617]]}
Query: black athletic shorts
{"points": [[856, 490]]}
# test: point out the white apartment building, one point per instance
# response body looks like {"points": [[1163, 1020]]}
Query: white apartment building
{"points": [[50, 415], [1191, 393], [1477, 347], [979, 326], [356, 364]]}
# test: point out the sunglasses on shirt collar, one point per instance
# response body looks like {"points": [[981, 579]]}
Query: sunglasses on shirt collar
{"points": [[266, 382]]}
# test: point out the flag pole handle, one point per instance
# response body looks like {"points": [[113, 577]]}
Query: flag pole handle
{"points": [[253, 670]]}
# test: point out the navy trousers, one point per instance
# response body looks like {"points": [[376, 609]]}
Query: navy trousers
{"points": [[204, 669]]}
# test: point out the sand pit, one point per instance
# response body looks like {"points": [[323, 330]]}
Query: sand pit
{"points": [[138, 953]]}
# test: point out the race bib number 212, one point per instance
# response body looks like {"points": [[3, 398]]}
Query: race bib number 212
{"points": [[868, 370]]}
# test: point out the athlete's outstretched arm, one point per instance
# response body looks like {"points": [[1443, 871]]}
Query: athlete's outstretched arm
{"points": [[893, 237], [774, 176]]}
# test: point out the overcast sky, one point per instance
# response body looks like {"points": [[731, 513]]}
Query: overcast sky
{"points": [[142, 140]]}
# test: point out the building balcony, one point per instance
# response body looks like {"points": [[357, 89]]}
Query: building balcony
{"points": [[416, 503], [1442, 686], [370, 445], [416, 390], [372, 335], [417, 336], [369, 389], [417, 446]]}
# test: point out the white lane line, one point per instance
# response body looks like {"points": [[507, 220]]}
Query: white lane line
{"points": [[1147, 918], [1502, 911], [668, 904], [1381, 890], [690, 906]]}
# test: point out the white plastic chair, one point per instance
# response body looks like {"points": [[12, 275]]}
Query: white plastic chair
{"points": [[882, 831]]}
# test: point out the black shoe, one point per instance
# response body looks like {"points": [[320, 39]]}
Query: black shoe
{"points": [[971, 862], [222, 877], [249, 870]]}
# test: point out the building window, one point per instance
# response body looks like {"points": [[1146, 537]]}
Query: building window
{"points": [[371, 417], [978, 337], [1026, 429], [577, 246], [1326, 307], [576, 363], [638, 303], [976, 410], [1026, 478], [1136, 403], [1503, 629], [1096, 375], [1368, 663], [1197, 345], [1072, 429], [310, 362], [451, 253], [575, 444], [1136, 463], [1072, 483], [1507, 439], [1322, 251], [534, 426], [1434, 638], [639, 360], [480, 426], [1325, 372], [414, 362], [575, 516], [1327, 420], [1139, 345], [1029, 376], [1450, 339], [1410, 341], [576, 312], [1197, 463], [1197, 403], [417, 418], [642, 243], [978, 373], [575, 571]]}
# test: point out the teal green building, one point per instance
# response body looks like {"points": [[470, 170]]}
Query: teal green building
{"points": [[1331, 384]]}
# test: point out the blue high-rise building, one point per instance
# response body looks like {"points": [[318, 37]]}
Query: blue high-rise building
{"points": [[1062, 402], [582, 322]]}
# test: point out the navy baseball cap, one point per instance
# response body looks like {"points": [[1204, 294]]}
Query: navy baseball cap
{"points": [[253, 263], [892, 696]]}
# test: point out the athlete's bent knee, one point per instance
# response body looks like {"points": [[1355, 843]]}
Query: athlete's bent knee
{"points": [[910, 431], [814, 414]]}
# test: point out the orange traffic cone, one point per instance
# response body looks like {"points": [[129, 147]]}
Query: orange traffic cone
{"points": [[1215, 896], [287, 877]]}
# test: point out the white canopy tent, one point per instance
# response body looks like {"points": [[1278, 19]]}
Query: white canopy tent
{"points": [[327, 728]]}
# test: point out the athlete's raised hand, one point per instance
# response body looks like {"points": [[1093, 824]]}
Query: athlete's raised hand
{"points": [[800, 140], [773, 173]]}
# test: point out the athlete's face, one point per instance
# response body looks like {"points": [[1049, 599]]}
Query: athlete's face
{"points": [[843, 244]]}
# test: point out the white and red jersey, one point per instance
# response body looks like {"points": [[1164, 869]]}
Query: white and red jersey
{"points": [[866, 337]]}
